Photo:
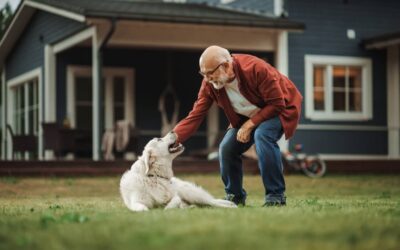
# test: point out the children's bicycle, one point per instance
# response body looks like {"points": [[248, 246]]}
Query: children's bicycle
{"points": [[310, 165]]}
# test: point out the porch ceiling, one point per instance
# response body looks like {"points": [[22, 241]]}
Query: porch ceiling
{"points": [[132, 33]]}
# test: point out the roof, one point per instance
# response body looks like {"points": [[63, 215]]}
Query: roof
{"points": [[171, 12], [156, 11], [382, 40], [256, 6]]}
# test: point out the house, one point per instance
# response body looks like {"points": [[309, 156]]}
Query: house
{"points": [[53, 52], [94, 62]]}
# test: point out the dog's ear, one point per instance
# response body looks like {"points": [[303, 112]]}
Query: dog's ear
{"points": [[149, 160]]}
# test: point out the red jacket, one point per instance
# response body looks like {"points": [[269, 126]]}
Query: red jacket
{"points": [[262, 85]]}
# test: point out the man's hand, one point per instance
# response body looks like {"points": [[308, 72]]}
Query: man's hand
{"points": [[243, 135]]}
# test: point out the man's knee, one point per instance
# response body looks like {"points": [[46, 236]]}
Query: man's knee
{"points": [[263, 135], [225, 149]]}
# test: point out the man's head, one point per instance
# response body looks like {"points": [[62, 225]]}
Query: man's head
{"points": [[216, 66]]}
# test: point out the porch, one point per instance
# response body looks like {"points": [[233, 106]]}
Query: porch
{"points": [[182, 165], [117, 70]]}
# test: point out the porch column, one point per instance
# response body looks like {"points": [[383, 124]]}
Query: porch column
{"points": [[393, 100], [212, 125], [96, 73], [282, 62], [3, 114], [49, 105]]}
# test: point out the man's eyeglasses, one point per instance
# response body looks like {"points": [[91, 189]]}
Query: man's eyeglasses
{"points": [[211, 71]]}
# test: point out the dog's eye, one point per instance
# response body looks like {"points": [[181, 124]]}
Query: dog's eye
{"points": [[159, 139]]}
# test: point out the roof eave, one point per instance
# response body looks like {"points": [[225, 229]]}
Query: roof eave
{"points": [[381, 41], [272, 24], [17, 25]]}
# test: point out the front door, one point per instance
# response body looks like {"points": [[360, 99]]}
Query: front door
{"points": [[117, 101]]}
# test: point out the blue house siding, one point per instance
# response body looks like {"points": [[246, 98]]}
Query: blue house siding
{"points": [[28, 52], [326, 34], [345, 142]]}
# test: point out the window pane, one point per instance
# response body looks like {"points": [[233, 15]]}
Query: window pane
{"points": [[31, 115], [118, 113], [21, 130], [319, 101], [119, 92], [319, 83], [31, 93], [339, 77], [355, 74], [22, 97], [319, 76], [36, 116], [19, 110], [83, 88], [355, 101], [36, 92], [119, 89], [84, 117], [339, 101]]}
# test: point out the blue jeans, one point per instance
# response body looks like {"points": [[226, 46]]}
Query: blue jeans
{"points": [[265, 137]]}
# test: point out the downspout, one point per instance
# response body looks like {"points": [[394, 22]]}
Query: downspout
{"points": [[101, 82]]}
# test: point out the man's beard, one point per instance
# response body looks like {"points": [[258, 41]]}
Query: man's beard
{"points": [[221, 83]]}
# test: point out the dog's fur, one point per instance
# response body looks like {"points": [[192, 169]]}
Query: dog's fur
{"points": [[150, 182]]}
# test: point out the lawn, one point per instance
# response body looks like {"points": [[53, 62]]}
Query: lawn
{"points": [[336, 212]]}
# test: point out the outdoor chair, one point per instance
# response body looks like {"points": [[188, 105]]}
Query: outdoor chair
{"points": [[22, 143], [133, 144], [60, 140]]}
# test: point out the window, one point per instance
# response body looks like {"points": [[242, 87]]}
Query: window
{"points": [[26, 108], [338, 88]]}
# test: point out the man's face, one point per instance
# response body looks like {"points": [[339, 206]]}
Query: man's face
{"points": [[216, 75]]}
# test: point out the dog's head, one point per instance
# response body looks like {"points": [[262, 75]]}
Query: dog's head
{"points": [[159, 152]]}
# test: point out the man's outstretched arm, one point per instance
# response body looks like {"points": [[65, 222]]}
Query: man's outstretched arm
{"points": [[189, 125]]}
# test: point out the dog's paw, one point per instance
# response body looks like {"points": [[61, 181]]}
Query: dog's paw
{"points": [[138, 207]]}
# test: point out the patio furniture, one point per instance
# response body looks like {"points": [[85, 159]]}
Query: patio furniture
{"points": [[132, 146], [22, 143], [60, 140]]}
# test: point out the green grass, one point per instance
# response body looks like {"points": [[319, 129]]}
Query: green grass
{"points": [[336, 212]]}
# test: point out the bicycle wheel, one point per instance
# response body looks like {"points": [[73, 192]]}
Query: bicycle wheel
{"points": [[314, 167]]}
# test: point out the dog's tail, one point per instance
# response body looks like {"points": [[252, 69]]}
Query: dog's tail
{"points": [[223, 203], [196, 195]]}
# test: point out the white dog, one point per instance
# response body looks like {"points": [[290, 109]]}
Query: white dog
{"points": [[150, 182]]}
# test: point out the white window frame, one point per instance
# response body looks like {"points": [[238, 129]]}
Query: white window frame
{"points": [[329, 114], [108, 74], [12, 84]]}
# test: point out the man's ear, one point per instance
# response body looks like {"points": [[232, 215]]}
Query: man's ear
{"points": [[149, 160]]}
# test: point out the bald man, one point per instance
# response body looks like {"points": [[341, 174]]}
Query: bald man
{"points": [[260, 103]]}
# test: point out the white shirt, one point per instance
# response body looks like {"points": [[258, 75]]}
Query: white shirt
{"points": [[239, 103]]}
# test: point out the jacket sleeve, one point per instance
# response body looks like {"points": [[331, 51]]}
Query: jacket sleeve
{"points": [[189, 125], [270, 88]]}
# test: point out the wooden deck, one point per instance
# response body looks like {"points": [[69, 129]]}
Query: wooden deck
{"points": [[181, 166]]}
